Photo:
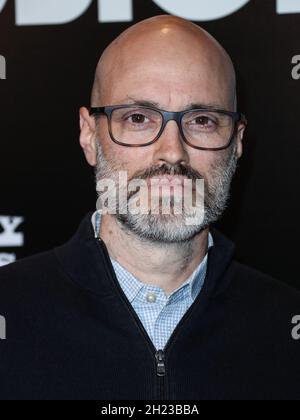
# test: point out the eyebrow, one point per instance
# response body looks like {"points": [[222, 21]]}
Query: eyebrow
{"points": [[193, 105]]}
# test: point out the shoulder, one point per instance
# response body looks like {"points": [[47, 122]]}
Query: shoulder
{"points": [[261, 289], [27, 275], [28, 266]]}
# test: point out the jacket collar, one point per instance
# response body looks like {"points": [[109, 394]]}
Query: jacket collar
{"points": [[86, 262]]}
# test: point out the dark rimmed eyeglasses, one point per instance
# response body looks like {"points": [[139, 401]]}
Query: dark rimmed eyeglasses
{"points": [[139, 126]]}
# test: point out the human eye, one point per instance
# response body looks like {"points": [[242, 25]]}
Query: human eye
{"points": [[202, 121], [136, 118]]}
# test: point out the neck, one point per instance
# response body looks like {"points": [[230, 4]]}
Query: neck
{"points": [[165, 265]]}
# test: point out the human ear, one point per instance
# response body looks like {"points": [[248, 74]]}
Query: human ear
{"points": [[88, 135]]}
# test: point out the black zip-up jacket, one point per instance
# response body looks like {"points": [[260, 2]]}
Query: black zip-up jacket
{"points": [[72, 334]]}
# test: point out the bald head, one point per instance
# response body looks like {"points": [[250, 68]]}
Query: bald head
{"points": [[172, 49]]}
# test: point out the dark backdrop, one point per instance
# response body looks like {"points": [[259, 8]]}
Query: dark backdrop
{"points": [[49, 73]]}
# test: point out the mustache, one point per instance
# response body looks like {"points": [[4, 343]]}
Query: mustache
{"points": [[179, 170]]}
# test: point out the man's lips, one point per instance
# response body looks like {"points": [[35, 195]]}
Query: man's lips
{"points": [[171, 180]]}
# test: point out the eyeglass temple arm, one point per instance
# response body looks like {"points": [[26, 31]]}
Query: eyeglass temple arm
{"points": [[243, 119], [98, 110]]}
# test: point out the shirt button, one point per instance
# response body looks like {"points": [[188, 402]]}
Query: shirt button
{"points": [[151, 297]]}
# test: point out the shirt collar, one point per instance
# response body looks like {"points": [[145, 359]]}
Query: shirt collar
{"points": [[132, 286]]}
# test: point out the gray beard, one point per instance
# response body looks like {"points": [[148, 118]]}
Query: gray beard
{"points": [[168, 229]]}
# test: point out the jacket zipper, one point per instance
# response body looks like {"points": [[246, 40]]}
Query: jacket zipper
{"points": [[160, 363], [161, 374], [159, 355]]}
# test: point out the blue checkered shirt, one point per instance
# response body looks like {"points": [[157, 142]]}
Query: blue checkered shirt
{"points": [[158, 312]]}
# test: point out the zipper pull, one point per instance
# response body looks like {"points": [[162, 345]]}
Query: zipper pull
{"points": [[160, 363]]}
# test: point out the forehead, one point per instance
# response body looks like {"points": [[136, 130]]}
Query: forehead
{"points": [[171, 75], [175, 89]]}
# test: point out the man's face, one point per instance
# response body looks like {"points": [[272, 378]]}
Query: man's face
{"points": [[171, 82]]}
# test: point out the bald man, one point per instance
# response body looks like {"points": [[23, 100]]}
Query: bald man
{"points": [[146, 301]]}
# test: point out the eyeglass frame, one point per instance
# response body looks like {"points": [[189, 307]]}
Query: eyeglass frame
{"points": [[166, 117]]}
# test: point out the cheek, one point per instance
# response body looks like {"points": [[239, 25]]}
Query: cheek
{"points": [[130, 159], [137, 160], [206, 163], [202, 161]]}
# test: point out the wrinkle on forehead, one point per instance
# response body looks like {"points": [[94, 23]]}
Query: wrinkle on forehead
{"points": [[159, 40]]}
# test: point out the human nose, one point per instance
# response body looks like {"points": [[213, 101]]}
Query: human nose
{"points": [[170, 147]]}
